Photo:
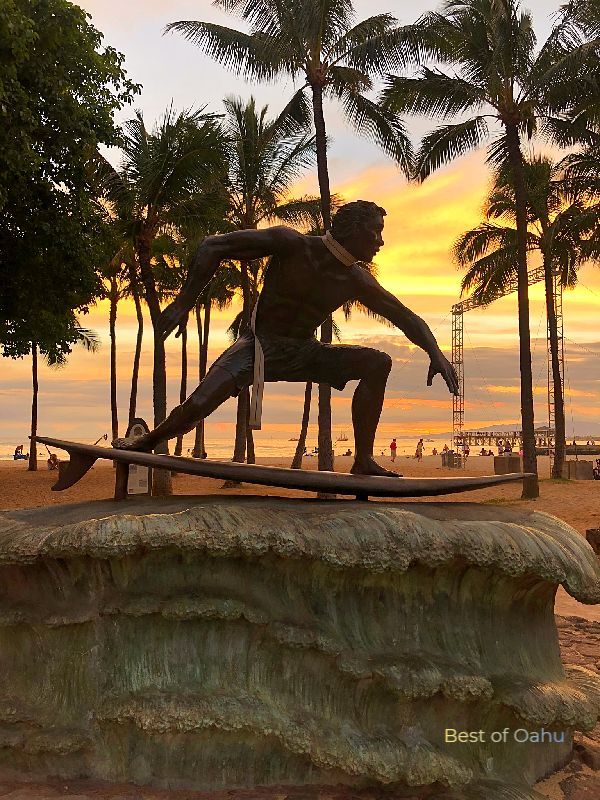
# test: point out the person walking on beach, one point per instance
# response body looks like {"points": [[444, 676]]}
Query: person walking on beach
{"points": [[393, 447], [419, 450]]}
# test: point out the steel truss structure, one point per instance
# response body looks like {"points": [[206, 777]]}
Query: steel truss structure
{"points": [[458, 311]]}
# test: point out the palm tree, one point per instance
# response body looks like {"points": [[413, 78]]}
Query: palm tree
{"points": [[54, 357], [218, 294], [561, 223], [319, 43], [495, 73], [265, 157], [115, 288], [135, 370], [161, 188]]}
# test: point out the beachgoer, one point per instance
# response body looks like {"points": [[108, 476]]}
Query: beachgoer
{"points": [[393, 447], [419, 450], [18, 454], [53, 461], [466, 452], [434, 452], [445, 448], [308, 277], [508, 448]]}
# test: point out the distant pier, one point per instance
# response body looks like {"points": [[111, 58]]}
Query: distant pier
{"points": [[544, 441]]}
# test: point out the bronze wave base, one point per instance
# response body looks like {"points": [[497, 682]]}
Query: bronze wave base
{"points": [[216, 644]]}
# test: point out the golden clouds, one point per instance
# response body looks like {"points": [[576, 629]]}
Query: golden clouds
{"points": [[422, 223]]}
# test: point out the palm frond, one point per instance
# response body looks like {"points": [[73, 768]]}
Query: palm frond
{"points": [[349, 77], [87, 338], [376, 45], [433, 94], [472, 245], [359, 35], [449, 142], [255, 55], [491, 276], [379, 125], [305, 213], [295, 117]]}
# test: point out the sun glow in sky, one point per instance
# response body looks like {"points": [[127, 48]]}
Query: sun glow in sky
{"points": [[421, 225]]}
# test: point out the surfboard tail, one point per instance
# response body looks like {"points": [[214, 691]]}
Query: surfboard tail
{"points": [[72, 471]]}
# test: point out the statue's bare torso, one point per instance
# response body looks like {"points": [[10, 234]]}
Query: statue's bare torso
{"points": [[303, 287]]}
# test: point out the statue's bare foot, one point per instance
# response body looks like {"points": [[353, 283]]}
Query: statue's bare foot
{"points": [[368, 466], [138, 443]]}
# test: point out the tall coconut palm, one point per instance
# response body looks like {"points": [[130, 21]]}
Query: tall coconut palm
{"points": [[320, 44], [265, 157], [218, 294], [115, 289], [560, 224], [135, 367], [160, 188], [494, 73]]}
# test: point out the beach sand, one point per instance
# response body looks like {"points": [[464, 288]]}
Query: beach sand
{"points": [[575, 502]]}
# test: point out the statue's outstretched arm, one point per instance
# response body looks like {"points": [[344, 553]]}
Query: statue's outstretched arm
{"points": [[382, 302], [238, 245]]}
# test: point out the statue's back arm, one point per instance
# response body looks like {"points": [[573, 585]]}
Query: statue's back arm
{"points": [[239, 246]]}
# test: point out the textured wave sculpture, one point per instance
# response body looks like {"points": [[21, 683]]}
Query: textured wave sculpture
{"points": [[261, 642]]}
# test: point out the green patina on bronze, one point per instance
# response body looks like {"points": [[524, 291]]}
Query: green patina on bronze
{"points": [[210, 643]]}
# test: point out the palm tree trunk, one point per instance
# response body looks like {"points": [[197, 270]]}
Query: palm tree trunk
{"points": [[199, 450], [112, 325], [530, 485], [161, 483], [324, 438], [559, 403], [300, 447], [321, 145], [250, 454], [243, 404], [137, 355], [32, 467], [182, 386]]}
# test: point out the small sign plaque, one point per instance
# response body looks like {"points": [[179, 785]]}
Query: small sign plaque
{"points": [[139, 477]]}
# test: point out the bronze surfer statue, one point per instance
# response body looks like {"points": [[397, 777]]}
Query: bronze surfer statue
{"points": [[307, 279]]}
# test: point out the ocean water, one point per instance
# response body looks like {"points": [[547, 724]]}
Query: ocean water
{"points": [[271, 445]]}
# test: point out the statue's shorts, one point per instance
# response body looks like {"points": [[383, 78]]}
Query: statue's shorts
{"points": [[300, 360]]}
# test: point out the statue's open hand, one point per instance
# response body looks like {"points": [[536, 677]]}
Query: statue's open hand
{"points": [[440, 365], [174, 316]]}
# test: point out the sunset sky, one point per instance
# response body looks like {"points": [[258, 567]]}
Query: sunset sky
{"points": [[421, 225]]}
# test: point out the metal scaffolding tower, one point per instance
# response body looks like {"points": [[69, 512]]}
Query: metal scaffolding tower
{"points": [[458, 311], [558, 310]]}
